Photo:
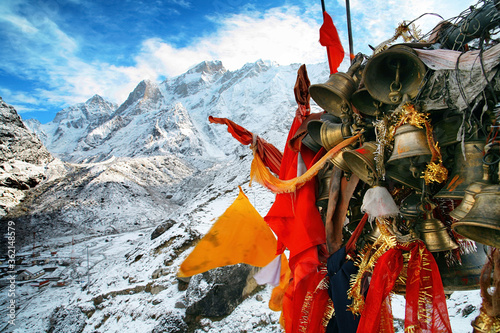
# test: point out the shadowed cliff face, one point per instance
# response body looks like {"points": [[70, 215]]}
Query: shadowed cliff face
{"points": [[17, 142]]}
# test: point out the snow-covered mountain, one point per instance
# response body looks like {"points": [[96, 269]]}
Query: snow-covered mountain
{"points": [[62, 134], [172, 116]]}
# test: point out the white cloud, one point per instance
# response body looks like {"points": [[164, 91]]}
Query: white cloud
{"points": [[285, 35]]}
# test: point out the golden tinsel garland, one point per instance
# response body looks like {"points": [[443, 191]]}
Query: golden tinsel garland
{"points": [[486, 324], [366, 262], [408, 114]]}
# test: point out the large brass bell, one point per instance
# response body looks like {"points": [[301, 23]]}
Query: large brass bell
{"points": [[433, 233], [465, 170], [468, 201], [334, 95], [394, 72], [410, 142], [464, 275], [482, 223], [361, 161]]}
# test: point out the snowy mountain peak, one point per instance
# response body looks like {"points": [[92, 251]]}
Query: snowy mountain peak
{"points": [[145, 92], [207, 67], [94, 109], [96, 100]]}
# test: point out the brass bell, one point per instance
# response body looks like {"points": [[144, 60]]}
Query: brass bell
{"points": [[373, 233], [394, 72], [411, 206], [314, 131], [328, 135], [402, 174], [446, 130], [361, 161], [308, 141], [433, 233], [464, 275], [332, 134], [324, 181], [339, 161], [468, 201], [365, 103], [482, 222], [410, 142], [465, 171], [334, 95]]}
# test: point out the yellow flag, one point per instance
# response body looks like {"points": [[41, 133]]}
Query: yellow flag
{"points": [[240, 235]]}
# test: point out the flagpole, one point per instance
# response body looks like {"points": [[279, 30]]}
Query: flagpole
{"points": [[349, 30]]}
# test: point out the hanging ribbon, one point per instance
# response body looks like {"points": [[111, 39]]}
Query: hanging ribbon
{"points": [[269, 154], [261, 174]]}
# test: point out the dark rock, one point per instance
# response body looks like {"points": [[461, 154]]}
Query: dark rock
{"points": [[468, 310], [162, 228], [217, 292], [171, 323], [67, 320]]}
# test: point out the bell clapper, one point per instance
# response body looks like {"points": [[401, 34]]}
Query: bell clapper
{"points": [[395, 94]]}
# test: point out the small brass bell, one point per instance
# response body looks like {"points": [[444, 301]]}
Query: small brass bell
{"points": [[465, 170], [468, 201], [324, 181], [410, 142], [366, 104], [373, 234], [361, 161], [339, 161], [482, 222], [332, 134], [308, 141], [402, 174], [411, 206], [393, 73], [464, 275], [433, 233]]}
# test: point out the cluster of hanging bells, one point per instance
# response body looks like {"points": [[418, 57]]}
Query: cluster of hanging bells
{"points": [[374, 89]]}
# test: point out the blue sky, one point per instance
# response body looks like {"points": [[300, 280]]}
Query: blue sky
{"points": [[56, 53]]}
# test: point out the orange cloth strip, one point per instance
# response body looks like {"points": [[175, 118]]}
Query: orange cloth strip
{"points": [[261, 174]]}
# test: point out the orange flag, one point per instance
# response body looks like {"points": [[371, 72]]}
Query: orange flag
{"points": [[240, 235]]}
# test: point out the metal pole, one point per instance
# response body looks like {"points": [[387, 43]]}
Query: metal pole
{"points": [[349, 30]]}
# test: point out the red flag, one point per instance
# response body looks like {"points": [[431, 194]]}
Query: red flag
{"points": [[329, 37]]}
